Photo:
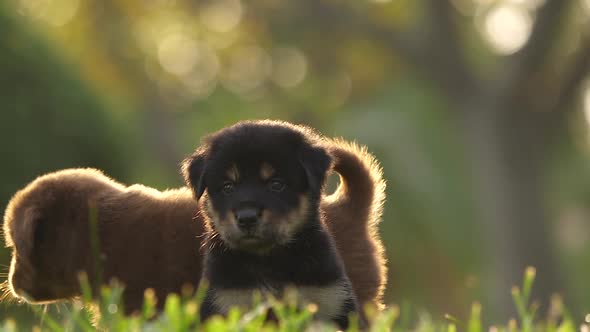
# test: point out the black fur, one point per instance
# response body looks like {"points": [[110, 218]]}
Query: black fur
{"points": [[307, 261], [193, 172], [269, 259]]}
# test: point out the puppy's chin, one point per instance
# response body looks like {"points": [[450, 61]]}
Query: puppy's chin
{"points": [[254, 244], [258, 242]]}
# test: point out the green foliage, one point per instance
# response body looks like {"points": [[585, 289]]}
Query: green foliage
{"points": [[50, 119], [181, 313]]}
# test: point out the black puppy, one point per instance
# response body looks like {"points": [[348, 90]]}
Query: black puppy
{"points": [[263, 181]]}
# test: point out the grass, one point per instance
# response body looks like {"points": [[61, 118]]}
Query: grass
{"points": [[180, 313]]}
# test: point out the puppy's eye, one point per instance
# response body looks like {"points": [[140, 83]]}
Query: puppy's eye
{"points": [[276, 185], [228, 187]]}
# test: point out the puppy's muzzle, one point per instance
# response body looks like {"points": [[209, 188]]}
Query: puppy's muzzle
{"points": [[247, 218]]}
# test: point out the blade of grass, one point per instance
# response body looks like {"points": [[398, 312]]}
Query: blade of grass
{"points": [[94, 240], [474, 324], [527, 283], [51, 323], [85, 287], [519, 302]]}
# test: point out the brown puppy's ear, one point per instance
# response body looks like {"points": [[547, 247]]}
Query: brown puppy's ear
{"points": [[316, 162], [25, 233], [193, 171]]}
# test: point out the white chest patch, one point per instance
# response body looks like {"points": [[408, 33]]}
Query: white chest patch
{"points": [[329, 299]]}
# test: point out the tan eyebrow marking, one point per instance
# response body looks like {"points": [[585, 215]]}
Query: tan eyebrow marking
{"points": [[233, 173], [266, 171]]}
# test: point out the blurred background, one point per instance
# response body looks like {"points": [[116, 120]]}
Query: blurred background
{"points": [[478, 110]]}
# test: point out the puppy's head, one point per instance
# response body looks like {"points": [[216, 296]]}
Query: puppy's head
{"points": [[263, 181]]}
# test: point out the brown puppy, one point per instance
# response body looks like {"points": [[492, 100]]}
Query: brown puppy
{"points": [[149, 238]]}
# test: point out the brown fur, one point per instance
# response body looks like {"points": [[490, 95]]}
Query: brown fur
{"points": [[266, 171], [148, 237], [150, 240], [354, 211], [233, 173]]}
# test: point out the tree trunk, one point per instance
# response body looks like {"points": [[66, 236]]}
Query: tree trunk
{"points": [[504, 147]]}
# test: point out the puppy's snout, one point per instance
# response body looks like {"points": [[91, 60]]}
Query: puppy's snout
{"points": [[247, 218]]}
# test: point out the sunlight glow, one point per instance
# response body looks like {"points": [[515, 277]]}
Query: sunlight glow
{"points": [[221, 41], [483, 2], [178, 53], [33, 8], [507, 28], [289, 67], [112, 308], [55, 12], [158, 3], [586, 4], [152, 29], [222, 15], [586, 101], [247, 69], [202, 80], [531, 4]]}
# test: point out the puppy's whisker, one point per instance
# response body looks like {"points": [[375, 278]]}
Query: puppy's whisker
{"points": [[208, 236], [202, 236], [5, 293]]}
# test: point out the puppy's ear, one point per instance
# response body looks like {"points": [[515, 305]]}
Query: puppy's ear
{"points": [[316, 162], [24, 233], [193, 171]]}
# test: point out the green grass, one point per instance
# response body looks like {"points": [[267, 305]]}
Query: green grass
{"points": [[181, 314]]}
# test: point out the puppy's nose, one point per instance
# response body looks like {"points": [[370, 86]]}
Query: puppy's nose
{"points": [[247, 217]]}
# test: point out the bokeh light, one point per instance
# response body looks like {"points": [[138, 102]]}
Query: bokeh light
{"points": [[202, 80], [586, 101], [507, 27], [222, 15], [33, 8], [248, 67], [157, 3], [483, 3], [289, 66], [112, 308], [55, 12], [221, 41], [530, 4], [178, 54], [152, 29]]}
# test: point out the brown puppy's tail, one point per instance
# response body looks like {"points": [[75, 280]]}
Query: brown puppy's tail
{"points": [[354, 211], [362, 189]]}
